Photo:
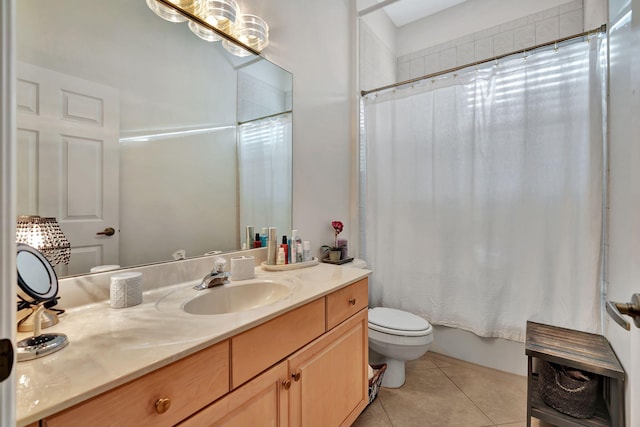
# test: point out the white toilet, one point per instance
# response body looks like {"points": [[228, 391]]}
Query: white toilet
{"points": [[395, 336]]}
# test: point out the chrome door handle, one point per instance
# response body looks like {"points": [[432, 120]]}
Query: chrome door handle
{"points": [[109, 231], [616, 310]]}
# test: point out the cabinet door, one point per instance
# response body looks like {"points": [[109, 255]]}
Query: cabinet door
{"points": [[263, 401], [330, 382]]}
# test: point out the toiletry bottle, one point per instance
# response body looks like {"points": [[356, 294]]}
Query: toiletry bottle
{"points": [[285, 245], [280, 260], [249, 237], [272, 246], [298, 241], [306, 250], [264, 237], [293, 247], [257, 243]]}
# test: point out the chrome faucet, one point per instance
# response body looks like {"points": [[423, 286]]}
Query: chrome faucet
{"points": [[217, 276]]}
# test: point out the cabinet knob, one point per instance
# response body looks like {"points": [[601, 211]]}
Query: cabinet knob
{"points": [[286, 384], [352, 301], [163, 405], [296, 375]]}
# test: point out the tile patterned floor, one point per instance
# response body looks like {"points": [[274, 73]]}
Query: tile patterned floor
{"points": [[443, 392]]}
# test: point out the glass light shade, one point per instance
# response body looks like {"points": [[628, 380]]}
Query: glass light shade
{"points": [[221, 14], [191, 6], [251, 30], [45, 235]]}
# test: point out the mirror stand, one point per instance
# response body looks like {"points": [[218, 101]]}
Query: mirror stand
{"points": [[48, 318], [40, 344]]}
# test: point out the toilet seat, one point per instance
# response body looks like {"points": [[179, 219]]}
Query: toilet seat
{"points": [[398, 322]]}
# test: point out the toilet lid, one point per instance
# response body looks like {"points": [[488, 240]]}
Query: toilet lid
{"points": [[391, 321]]}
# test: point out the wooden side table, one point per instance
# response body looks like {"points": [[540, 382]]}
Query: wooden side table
{"points": [[580, 350]]}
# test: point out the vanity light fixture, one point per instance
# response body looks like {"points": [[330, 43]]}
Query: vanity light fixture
{"points": [[214, 20], [170, 14], [252, 31], [45, 235], [220, 14]]}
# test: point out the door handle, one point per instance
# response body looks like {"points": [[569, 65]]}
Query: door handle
{"points": [[616, 310], [109, 231]]}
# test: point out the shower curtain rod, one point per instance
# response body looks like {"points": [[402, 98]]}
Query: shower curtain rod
{"points": [[265, 117], [601, 29]]}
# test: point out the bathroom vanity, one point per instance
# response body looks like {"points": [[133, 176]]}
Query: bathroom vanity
{"points": [[299, 361]]}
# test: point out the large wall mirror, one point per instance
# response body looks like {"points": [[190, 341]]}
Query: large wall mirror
{"points": [[130, 122]]}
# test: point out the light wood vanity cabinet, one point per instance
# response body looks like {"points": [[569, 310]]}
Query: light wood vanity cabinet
{"points": [[255, 350], [160, 398], [263, 401], [330, 379], [305, 367]]}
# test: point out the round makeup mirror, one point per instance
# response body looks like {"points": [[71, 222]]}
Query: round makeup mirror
{"points": [[36, 277], [37, 281]]}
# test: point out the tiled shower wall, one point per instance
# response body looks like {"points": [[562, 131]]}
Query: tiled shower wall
{"points": [[550, 24], [257, 98], [378, 66]]}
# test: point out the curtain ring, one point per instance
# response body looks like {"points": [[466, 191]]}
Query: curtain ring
{"points": [[555, 47]]}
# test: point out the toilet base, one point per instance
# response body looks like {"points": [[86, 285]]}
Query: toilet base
{"points": [[394, 374]]}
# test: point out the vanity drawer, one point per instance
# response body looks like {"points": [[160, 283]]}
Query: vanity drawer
{"points": [[257, 349], [346, 302], [189, 385]]}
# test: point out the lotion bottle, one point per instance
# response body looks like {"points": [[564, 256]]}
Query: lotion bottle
{"points": [[280, 260]]}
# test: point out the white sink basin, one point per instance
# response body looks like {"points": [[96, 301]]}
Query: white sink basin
{"points": [[236, 297]]}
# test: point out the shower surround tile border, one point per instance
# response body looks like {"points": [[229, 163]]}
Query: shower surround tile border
{"points": [[540, 27]]}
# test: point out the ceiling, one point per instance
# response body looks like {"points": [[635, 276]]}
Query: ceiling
{"points": [[403, 12]]}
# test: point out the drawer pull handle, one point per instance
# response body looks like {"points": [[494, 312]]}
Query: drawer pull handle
{"points": [[352, 301], [163, 405], [286, 384], [296, 375]]}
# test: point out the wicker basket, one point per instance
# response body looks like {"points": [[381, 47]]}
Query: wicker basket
{"points": [[565, 394], [376, 381]]}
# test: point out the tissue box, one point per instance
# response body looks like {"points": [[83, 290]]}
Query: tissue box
{"points": [[126, 289], [243, 268]]}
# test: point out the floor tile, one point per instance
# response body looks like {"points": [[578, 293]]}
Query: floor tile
{"points": [[373, 416], [500, 396], [441, 391], [429, 398]]}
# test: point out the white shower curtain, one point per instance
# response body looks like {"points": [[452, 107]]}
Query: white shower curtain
{"points": [[483, 192]]}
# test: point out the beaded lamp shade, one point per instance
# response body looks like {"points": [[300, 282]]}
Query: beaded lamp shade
{"points": [[45, 235]]}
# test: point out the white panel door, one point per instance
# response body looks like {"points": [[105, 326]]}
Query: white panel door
{"points": [[68, 161]]}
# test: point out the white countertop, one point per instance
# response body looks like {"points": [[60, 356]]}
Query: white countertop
{"points": [[109, 347]]}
